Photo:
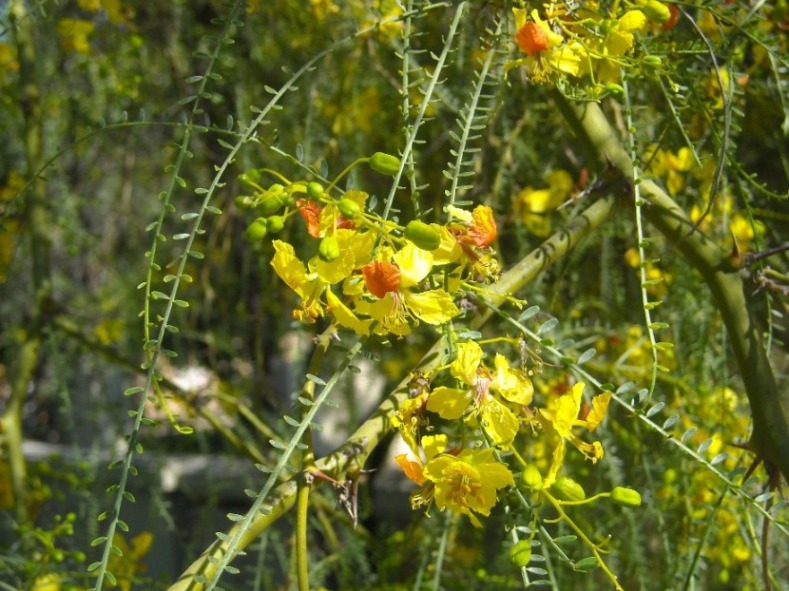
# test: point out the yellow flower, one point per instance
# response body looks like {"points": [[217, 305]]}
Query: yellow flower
{"points": [[125, 566], [74, 34], [621, 36], [468, 482], [498, 421], [534, 205], [561, 416], [314, 283], [396, 302]]}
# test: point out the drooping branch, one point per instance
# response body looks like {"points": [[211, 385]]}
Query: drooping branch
{"points": [[770, 437]]}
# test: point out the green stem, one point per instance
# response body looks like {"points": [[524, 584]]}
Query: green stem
{"points": [[770, 437], [37, 217]]}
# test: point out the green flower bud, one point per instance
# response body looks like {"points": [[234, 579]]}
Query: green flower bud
{"points": [[315, 190], [532, 478], [257, 230], [568, 489], [626, 496], [384, 163], [329, 249], [275, 224], [270, 204], [652, 61], [423, 235], [244, 201], [655, 11], [348, 208], [614, 89], [250, 178], [520, 554]]}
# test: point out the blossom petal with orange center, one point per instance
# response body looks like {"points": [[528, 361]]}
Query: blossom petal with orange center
{"points": [[311, 212], [381, 277], [483, 231], [532, 39]]}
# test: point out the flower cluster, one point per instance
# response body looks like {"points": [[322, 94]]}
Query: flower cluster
{"points": [[487, 406], [368, 274], [586, 42]]}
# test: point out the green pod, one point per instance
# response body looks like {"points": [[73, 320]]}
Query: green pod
{"points": [[348, 208], [568, 489], [257, 230], [626, 497], [315, 190], [656, 11], [520, 554], [250, 178], [244, 201], [532, 478], [269, 203], [275, 224], [423, 235], [329, 249], [384, 163]]}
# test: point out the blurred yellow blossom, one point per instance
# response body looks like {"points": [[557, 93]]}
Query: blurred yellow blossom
{"points": [[74, 34]]}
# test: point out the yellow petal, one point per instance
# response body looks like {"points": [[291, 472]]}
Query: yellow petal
{"points": [[344, 316], [512, 384], [465, 365], [567, 407], [433, 307], [414, 264], [434, 445], [289, 268], [499, 422], [599, 409], [449, 403]]}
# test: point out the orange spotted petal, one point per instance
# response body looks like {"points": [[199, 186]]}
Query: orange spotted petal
{"points": [[381, 277]]}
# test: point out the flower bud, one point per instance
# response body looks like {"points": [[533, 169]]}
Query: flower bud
{"points": [[423, 235], [384, 163], [520, 554], [315, 190], [568, 489], [655, 11], [532, 478], [250, 178], [614, 89], [275, 224], [257, 230], [348, 208], [270, 204], [244, 201], [329, 249], [626, 496], [652, 61]]}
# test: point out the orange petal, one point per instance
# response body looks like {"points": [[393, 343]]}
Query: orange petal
{"points": [[483, 230], [532, 39], [381, 277], [311, 212], [412, 469]]}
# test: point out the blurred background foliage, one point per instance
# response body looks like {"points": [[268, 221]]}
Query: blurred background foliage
{"points": [[101, 88]]}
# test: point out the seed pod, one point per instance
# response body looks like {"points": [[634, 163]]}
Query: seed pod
{"points": [[614, 89], [384, 163], [655, 11], [257, 230], [626, 497], [520, 554], [275, 224], [423, 235], [270, 204], [568, 489], [244, 201], [329, 249], [348, 208], [532, 478], [250, 178], [315, 190]]}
